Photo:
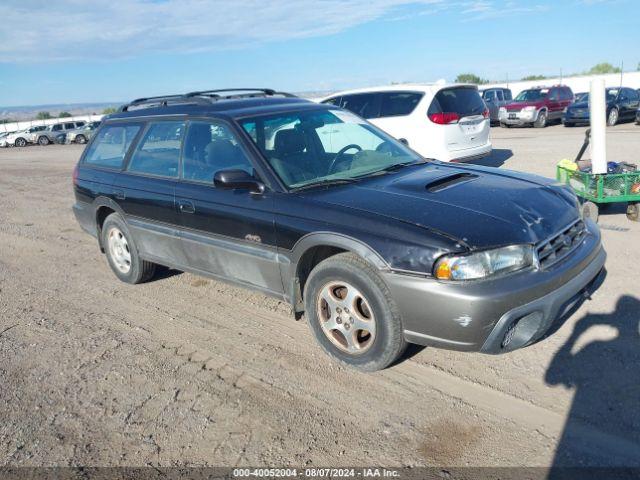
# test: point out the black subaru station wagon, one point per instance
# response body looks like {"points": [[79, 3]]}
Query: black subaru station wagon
{"points": [[310, 203]]}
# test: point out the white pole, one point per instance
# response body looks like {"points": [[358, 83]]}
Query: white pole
{"points": [[598, 113]]}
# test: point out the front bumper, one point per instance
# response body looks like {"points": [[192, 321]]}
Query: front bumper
{"points": [[476, 316], [518, 117]]}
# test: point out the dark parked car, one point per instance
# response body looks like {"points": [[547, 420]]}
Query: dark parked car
{"points": [[622, 104], [377, 245], [581, 97], [537, 106], [495, 98]]}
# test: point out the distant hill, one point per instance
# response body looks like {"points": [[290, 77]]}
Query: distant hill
{"points": [[29, 112]]}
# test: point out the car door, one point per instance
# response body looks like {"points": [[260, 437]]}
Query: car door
{"points": [[145, 191], [554, 104], [225, 233]]}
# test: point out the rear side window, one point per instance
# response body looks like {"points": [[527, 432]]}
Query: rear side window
{"points": [[69, 126], [111, 145], [507, 95], [463, 101], [56, 128], [499, 95], [394, 104], [158, 152], [364, 104]]}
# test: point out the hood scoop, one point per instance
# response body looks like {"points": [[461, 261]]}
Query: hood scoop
{"points": [[449, 181]]}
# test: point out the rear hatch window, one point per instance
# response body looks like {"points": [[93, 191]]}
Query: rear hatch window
{"points": [[461, 101]]}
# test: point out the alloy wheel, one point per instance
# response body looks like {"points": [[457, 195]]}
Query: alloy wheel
{"points": [[119, 250], [346, 317]]}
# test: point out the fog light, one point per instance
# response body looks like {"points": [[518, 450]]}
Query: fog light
{"points": [[509, 335]]}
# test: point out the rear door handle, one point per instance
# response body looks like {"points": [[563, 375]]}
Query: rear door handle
{"points": [[186, 206], [119, 194]]}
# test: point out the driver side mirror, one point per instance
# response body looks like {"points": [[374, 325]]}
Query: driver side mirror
{"points": [[237, 179]]}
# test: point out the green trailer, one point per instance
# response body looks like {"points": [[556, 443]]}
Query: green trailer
{"points": [[600, 189]]}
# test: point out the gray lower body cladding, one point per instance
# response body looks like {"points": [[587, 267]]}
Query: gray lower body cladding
{"points": [[477, 316]]}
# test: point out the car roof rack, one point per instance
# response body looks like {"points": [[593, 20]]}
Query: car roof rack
{"points": [[203, 97], [242, 93], [163, 101]]}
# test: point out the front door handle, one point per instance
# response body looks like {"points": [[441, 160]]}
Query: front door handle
{"points": [[186, 206]]}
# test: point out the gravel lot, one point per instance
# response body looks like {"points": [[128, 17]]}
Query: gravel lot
{"points": [[188, 371]]}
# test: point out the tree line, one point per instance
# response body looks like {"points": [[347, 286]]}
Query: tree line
{"points": [[599, 69]]}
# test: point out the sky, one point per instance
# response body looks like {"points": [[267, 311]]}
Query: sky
{"points": [[75, 51]]}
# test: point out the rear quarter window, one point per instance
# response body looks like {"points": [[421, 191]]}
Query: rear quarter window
{"points": [[364, 104], [464, 101], [111, 145], [393, 104]]}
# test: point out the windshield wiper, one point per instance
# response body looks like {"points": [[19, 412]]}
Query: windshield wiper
{"points": [[322, 183], [396, 166]]}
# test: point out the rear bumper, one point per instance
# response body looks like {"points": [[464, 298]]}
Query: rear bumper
{"points": [[476, 316], [86, 217], [468, 154]]}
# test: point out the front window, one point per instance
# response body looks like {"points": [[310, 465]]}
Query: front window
{"points": [[312, 147], [532, 95]]}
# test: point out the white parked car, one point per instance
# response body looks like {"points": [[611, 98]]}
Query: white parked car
{"points": [[448, 122]]}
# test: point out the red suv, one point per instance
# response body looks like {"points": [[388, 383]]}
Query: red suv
{"points": [[536, 106]]}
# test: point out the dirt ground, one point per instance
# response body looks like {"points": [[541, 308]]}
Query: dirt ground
{"points": [[188, 371]]}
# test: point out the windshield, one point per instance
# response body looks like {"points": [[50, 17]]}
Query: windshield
{"points": [[531, 95], [320, 146], [612, 94]]}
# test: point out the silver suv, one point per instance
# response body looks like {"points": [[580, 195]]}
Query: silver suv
{"points": [[48, 135]]}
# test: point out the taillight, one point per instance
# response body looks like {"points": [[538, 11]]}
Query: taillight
{"points": [[75, 175], [485, 113], [444, 118]]}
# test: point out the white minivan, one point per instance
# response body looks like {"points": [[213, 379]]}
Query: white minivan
{"points": [[448, 122]]}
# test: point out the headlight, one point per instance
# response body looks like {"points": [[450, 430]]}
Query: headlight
{"points": [[484, 264], [529, 109]]}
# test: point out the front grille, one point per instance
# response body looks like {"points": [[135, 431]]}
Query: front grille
{"points": [[561, 245]]}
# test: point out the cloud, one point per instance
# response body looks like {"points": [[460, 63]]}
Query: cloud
{"points": [[108, 29], [77, 29]]}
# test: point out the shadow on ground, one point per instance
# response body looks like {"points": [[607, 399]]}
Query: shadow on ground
{"points": [[604, 419], [497, 158]]}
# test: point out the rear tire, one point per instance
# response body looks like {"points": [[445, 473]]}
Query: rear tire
{"points": [[569, 124], [541, 121], [44, 140], [633, 211], [590, 210], [81, 139], [505, 125], [122, 253], [352, 315]]}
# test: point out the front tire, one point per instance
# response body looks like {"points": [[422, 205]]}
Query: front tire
{"points": [[20, 142], [612, 118], [352, 315], [541, 121], [122, 253], [569, 124], [81, 139], [44, 140]]}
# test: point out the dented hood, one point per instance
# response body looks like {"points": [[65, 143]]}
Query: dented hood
{"points": [[480, 207]]}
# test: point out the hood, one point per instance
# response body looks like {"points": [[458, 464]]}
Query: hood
{"points": [[521, 105], [479, 207]]}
